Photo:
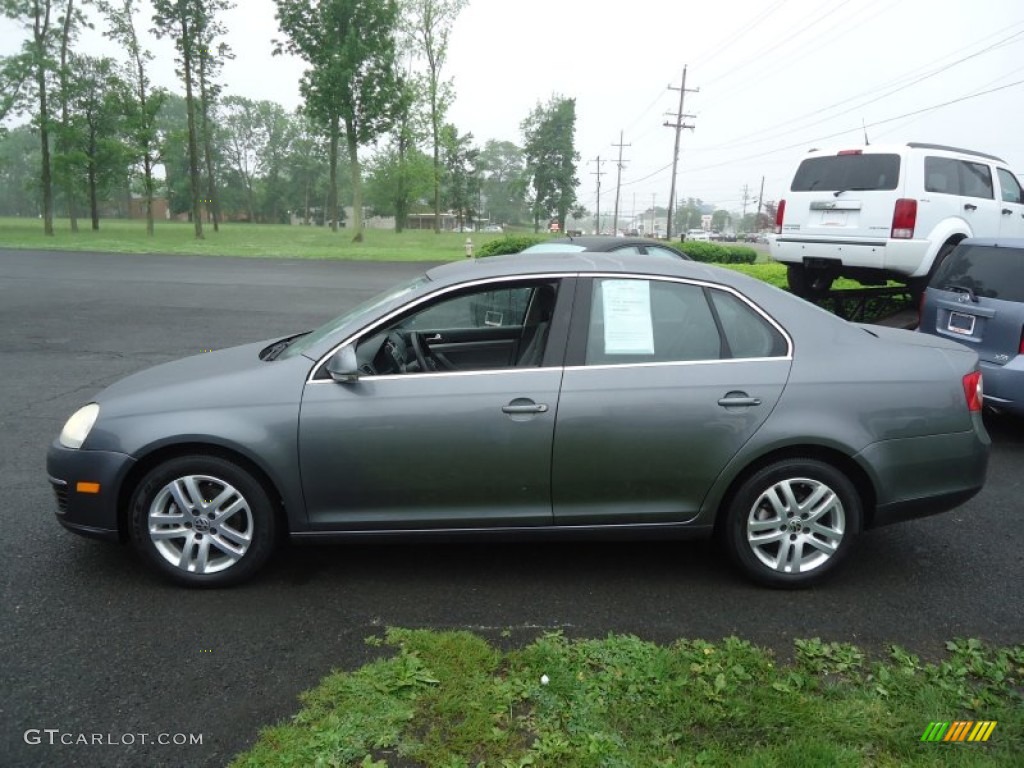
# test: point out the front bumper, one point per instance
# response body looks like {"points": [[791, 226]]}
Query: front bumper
{"points": [[921, 476], [87, 485]]}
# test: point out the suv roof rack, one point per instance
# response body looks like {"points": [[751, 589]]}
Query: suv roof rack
{"points": [[920, 145]]}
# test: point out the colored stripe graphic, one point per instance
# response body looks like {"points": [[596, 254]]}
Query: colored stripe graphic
{"points": [[959, 730]]}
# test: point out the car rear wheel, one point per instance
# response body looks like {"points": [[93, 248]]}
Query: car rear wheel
{"points": [[202, 521], [808, 283], [792, 522]]}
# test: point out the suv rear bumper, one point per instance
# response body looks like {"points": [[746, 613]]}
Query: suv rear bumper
{"points": [[902, 257]]}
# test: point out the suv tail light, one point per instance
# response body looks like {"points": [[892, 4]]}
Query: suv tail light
{"points": [[1020, 349], [973, 391], [850, 152], [904, 219], [780, 214]]}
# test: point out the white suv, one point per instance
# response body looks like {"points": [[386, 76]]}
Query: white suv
{"points": [[889, 212]]}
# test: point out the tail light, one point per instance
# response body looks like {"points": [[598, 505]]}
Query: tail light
{"points": [[850, 152], [904, 219], [1020, 349], [972, 390], [780, 214]]}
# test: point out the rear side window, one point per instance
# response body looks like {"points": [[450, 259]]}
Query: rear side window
{"points": [[847, 172], [958, 177], [994, 273], [747, 333]]}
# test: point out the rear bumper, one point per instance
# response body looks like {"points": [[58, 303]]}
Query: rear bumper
{"points": [[921, 476], [74, 476], [904, 257]]}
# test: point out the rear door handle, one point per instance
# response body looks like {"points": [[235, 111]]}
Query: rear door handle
{"points": [[433, 339], [738, 400], [524, 408], [970, 207]]}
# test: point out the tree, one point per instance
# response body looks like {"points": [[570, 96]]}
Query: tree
{"points": [[44, 20], [256, 138], [95, 106], [210, 59], [503, 167], [428, 24], [19, 173], [172, 151], [461, 181], [143, 102], [181, 20], [305, 160], [398, 179], [549, 147], [720, 220], [352, 80]]}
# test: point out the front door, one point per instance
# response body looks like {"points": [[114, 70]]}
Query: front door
{"points": [[463, 442]]}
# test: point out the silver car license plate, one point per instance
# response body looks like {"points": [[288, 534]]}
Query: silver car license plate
{"points": [[961, 323]]}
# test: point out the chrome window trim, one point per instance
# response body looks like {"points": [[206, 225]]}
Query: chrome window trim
{"points": [[311, 379]]}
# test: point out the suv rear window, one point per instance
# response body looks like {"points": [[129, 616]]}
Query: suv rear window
{"points": [[995, 273], [847, 172]]}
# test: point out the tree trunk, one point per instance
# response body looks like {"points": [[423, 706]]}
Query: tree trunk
{"points": [[44, 140], [147, 166], [332, 191], [94, 207], [69, 184], [357, 182], [211, 182], [193, 144]]}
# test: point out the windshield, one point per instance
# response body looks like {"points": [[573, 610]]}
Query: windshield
{"points": [[367, 307]]}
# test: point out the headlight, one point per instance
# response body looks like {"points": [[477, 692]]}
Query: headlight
{"points": [[78, 426]]}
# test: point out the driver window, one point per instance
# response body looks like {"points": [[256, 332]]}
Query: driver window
{"points": [[489, 327]]}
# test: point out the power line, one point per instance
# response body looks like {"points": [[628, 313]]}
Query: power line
{"points": [[868, 125]]}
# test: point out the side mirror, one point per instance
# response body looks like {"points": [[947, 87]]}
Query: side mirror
{"points": [[343, 366]]}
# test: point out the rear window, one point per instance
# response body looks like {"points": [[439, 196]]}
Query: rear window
{"points": [[847, 172], [994, 273]]}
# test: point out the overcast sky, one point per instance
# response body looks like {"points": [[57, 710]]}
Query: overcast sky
{"points": [[776, 77]]}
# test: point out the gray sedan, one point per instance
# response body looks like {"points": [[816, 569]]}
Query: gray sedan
{"points": [[563, 395]]}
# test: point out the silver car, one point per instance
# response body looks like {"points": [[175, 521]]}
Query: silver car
{"points": [[564, 395]]}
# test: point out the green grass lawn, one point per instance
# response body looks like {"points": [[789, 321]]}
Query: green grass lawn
{"points": [[451, 699], [253, 240]]}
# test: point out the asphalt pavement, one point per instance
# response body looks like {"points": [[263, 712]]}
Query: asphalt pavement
{"points": [[97, 649]]}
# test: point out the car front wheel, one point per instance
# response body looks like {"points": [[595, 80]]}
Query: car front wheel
{"points": [[202, 521], [792, 522]]}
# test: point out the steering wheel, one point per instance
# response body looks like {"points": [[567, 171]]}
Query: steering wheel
{"points": [[394, 347], [422, 352]]}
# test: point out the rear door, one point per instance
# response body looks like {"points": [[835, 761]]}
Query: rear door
{"points": [[979, 300], [669, 379], [978, 198]]}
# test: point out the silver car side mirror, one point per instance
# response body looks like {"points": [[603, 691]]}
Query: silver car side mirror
{"points": [[343, 366]]}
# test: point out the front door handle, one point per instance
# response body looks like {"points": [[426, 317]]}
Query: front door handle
{"points": [[1007, 212], [970, 207], [433, 339], [524, 408]]}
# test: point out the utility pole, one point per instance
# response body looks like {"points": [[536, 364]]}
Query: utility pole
{"points": [[654, 214], [746, 199], [618, 183], [760, 197], [599, 173], [678, 125]]}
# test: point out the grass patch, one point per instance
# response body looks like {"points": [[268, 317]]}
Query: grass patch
{"points": [[234, 239], [451, 699]]}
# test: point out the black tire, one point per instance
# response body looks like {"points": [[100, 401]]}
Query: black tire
{"points": [[808, 284], [918, 285], [239, 531], [836, 515]]}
